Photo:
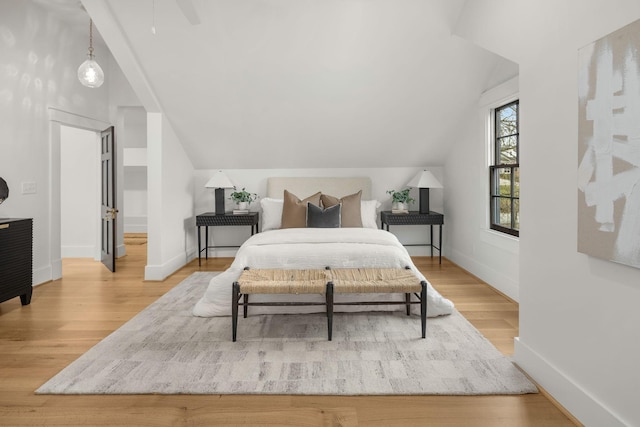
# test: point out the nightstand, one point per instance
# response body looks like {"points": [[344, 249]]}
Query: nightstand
{"points": [[210, 219], [388, 218]]}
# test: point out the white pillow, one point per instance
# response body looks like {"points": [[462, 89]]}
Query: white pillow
{"points": [[272, 213], [369, 213]]}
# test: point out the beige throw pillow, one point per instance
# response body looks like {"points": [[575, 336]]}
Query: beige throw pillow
{"points": [[294, 210], [351, 211]]}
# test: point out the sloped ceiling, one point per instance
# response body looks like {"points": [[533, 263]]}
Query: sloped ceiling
{"points": [[305, 83]]}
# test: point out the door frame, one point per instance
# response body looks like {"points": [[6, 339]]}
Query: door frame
{"points": [[58, 118]]}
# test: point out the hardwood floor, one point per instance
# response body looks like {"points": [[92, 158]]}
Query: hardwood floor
{"points": [[68, 316]]}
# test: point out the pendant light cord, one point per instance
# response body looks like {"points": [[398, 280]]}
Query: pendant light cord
{"points": [[91, 37], [153, 17]]}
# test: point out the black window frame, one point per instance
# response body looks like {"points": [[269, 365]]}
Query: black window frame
{"points": [[495, 196]]}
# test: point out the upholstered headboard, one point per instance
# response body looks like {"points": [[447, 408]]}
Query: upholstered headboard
{"points": [[303, 186]]}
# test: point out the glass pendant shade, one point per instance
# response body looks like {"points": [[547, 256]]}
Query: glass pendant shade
{"points": [[90, 74]]}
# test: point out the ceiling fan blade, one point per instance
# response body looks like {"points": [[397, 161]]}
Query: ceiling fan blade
{"points": [[189, 11]]}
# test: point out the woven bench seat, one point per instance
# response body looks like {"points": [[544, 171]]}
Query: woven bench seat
{"points": [[374, 280], [284, 281], [328, 282]]}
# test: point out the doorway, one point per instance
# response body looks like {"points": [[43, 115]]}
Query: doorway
{"points": [[79, 193], [58, 120], [87, 195]]}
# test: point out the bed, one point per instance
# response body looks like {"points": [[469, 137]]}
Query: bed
{"points": [[282, 244]]}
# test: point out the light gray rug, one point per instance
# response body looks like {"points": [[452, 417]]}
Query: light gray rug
{"points": [[166, 350]]}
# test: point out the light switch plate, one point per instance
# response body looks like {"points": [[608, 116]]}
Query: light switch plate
{"points": [[28, 188]]}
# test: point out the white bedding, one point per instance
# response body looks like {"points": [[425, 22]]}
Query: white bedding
{"points": [[306, 248]]}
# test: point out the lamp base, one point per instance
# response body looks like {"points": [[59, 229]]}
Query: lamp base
{"points": [[219, 201], [424, 200]]}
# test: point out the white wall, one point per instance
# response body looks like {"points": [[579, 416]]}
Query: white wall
{"points": [[80, 193], [122, 101], [382, 179], [134, 141], [490, 255], [170, 201], [134, 210], [579, 315], [39, 56]]}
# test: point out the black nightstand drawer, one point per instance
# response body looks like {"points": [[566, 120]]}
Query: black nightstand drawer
{"points": [[210, 219], [411, 218], [388, 218]]}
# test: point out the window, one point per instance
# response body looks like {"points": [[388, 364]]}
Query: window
{"points": [[505, 171]]}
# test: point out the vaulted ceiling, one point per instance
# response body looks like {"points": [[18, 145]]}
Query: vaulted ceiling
{"points": [[303, 83]]}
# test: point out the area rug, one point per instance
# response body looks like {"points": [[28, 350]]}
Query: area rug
{"points": [[166, 350]]}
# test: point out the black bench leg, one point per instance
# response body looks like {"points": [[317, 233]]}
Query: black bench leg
{"points": [[407, 298], [234, 309], [245, 298], [423, 308], [329, 295]]}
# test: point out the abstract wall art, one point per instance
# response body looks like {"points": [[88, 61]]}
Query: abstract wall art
{"points": [[609, 147]]}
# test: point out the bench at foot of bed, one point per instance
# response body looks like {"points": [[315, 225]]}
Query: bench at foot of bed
{"points": [[328, 282]]}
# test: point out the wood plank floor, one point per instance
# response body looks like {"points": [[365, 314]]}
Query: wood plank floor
{"points": [[68, 316]]}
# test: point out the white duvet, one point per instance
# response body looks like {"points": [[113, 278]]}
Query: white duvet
{"points": [[307, 248]]}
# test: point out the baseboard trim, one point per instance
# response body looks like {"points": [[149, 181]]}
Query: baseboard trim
{"points": [[42, 275], [79, 251], [577, 401], [121, 251], [135, 228], [135, 224], [220, 253], [158, 273], [492, 277]]}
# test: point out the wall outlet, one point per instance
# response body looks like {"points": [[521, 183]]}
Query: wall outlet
{"points": [[28, 188]]}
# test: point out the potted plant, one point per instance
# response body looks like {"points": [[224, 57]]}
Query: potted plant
{"points": [[400, 199], [242, 198]]}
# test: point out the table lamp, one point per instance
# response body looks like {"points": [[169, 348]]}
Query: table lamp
{"points": [[424, 180], [219, 181]]}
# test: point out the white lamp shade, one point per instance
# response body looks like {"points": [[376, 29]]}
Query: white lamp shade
{"points": [[424, 179], [219, 180]]}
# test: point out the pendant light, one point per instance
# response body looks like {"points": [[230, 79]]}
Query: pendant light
{"points": [[89, 73]]}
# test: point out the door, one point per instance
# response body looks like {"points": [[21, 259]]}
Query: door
{"points": [[108, 199]]}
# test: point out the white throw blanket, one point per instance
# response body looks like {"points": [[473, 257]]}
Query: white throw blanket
{"points": [[310, 248]]}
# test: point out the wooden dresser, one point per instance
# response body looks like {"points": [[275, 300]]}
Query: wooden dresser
{"points": [[16, 259]]}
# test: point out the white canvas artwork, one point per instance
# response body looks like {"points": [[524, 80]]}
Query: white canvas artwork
{"points": [[609, 147]]}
